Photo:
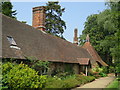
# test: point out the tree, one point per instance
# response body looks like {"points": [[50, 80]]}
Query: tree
{"points": [[101, 29], [54, 24], [7, 9], [114, 6]]}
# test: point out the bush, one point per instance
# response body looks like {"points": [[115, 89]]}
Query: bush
{"points": [[71, 83], [7, 67], [62, 75], [97, 69], [102, 74], [21, 76], [54, 82], [105, 70], [84, 79], [99, 72], [111, 69]]}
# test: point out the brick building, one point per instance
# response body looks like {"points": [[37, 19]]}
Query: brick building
{"points": [[20, 40]]}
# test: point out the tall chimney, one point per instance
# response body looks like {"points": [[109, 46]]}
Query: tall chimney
{"points": [[39, 18], [75, 36]]}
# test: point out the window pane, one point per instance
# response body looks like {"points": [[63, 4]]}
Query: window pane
{"points": [[11, 40]]}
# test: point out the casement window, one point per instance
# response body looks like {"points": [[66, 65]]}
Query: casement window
{"points": [[12, 42]]}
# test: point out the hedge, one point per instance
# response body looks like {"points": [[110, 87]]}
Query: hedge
{"points": [[71, 82]]}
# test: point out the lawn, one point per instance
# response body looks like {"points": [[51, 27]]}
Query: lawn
{"points": [[114, 84]]}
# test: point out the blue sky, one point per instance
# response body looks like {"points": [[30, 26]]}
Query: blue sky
{"points": [[75, 14]]}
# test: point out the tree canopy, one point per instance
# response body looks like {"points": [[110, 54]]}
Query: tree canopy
{"points": [[54, 23], [7, 9], [103, 29]]}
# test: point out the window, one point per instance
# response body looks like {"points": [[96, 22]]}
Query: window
{"points": [[12, 43]]}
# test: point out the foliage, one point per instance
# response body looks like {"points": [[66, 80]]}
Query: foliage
{"points": [[24, 22], [84, 79], [117, 68], [111, 69], [114, 84], [54, 82], [105, 70], [21, 76], [71, 83], [41, 66], [103, 29], [62, 75], [99, 72], [102, 74], [68, 70], [68, 82], [7, 67], [7, 9], [54, 24], [97, 69]]}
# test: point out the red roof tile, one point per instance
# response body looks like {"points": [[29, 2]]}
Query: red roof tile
{"points": [[83, 61], [93, 53]]}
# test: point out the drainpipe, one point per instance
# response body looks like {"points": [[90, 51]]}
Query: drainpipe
{"points": [[86, 70]]}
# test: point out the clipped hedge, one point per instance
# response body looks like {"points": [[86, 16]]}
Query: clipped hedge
{"points": [[54, 82], [21, 76], [84, 79], [69, 82]]}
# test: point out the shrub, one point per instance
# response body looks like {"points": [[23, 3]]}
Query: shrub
{"points": [[84, 79], [54, 82], [105, 70], [111, 69], [97, 69], [99, 72], [41, 66], [62, 75], [102, 74], [71, 83], [7, 67], [21, 76]]}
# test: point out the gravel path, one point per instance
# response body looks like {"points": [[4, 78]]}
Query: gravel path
{"points": [[98, 83]]}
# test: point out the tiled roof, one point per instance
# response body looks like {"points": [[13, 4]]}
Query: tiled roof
{"points": [[93, 53], [83, 61], [35, 43]]}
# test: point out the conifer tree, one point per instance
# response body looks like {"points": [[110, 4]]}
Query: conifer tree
{"points": [[6, 9], [54, 24]]}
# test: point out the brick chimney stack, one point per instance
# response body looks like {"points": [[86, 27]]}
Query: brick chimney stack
{"points": [[39, 18], [75, 36]]}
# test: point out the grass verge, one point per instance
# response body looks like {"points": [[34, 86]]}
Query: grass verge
{"points": [[114, 84]]}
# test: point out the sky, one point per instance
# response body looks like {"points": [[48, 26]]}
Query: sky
{"points": [[75, 14]]}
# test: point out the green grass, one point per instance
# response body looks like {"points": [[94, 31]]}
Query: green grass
{"points": [[114, 84]]}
